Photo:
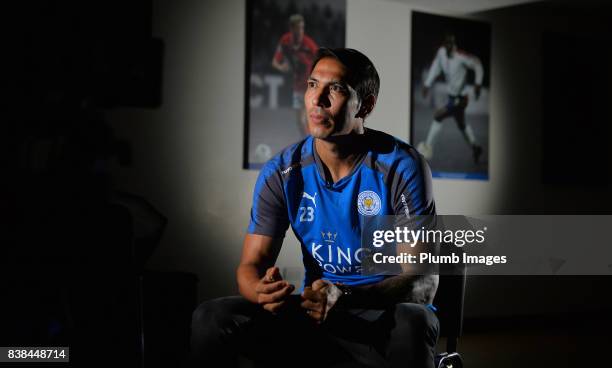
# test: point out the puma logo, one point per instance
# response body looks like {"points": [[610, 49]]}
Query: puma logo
{"points": [[312, 198]]}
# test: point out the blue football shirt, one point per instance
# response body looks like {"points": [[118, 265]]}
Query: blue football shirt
{"points": [[389, 178]]}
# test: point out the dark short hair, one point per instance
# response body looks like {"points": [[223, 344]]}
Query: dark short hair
{"points": [[362, 74]]}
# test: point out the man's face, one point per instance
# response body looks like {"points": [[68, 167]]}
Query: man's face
{"points": [[331, 104], [297, 30], [449, 45]]}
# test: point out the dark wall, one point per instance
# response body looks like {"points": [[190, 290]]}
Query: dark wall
{"points": [[551, 81], [552, 89]]}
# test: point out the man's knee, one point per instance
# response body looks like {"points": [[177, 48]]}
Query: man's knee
{"points": [[442, 113], [218, 315], [418, 318], [414, 335], [206, 311], [216, 324]]}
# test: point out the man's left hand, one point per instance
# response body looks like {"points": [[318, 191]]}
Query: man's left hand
{"points": [[314, 300], [477, 91]]}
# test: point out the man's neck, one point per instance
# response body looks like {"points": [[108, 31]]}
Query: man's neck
{"points": [[340, 154]]}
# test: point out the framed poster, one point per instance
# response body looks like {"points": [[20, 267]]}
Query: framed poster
{"points": [[282, 39], [450, 95]]}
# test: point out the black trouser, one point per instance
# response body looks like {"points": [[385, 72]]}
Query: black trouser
{"points": [[404, 335]]}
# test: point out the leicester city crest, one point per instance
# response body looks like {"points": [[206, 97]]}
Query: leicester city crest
{"points": [[368, 203]]}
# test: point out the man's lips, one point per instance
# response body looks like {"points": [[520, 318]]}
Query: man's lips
{"points": [[318, 118]]}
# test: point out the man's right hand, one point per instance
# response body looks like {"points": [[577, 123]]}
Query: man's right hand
{"points": [[272, 290], [281, 67], [284, 67]]}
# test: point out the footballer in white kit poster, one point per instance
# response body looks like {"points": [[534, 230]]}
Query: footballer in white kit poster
{"points": [[450, 95]]}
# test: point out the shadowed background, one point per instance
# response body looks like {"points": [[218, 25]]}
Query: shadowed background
{"points": [[181, 150]]}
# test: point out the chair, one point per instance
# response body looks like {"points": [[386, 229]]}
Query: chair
{"points": [[449, 303]]}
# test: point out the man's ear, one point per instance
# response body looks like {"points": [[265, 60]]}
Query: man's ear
{"points": [[367, 105]]}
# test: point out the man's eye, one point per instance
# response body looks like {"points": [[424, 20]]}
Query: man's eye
{"points": [[311, 84], [336, 88]]}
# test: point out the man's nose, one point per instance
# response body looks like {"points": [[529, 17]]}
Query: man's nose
{"points": [[320, 98]]}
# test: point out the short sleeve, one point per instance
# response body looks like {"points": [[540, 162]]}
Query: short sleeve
{"points": [[269, 210], [412, 188], [312, 45]]}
